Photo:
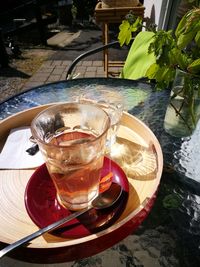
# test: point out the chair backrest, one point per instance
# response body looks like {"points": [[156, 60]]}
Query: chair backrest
{"points": [[138, 59]]}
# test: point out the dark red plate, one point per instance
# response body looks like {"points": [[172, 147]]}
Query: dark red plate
{"points": [[43, 207]]}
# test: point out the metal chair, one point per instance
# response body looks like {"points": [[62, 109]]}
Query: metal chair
{"points": [[69, 74]]}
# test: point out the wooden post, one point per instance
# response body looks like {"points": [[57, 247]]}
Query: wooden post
{"points": [[3, 53]]}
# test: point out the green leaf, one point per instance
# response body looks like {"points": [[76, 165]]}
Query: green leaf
{"points": [[127, 27], [136, 25], [188, 27], [168, 74], [194, 67], [163, 75], [179, 59], [197, 38], [185, 38], [152, 71], [124, 35], [181, 26], [138, 59], [162, 43]]}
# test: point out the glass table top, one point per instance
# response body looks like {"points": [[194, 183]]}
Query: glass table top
{"points": [[170, 236]]}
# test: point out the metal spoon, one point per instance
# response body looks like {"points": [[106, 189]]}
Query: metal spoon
{"points": [[102, 201]]}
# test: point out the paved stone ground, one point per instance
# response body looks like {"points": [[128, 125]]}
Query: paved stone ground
{"points": [[55, 70], [14, 77], [40, 66]]}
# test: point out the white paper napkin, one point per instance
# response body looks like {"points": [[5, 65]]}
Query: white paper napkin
{"points": [[14, 155]]}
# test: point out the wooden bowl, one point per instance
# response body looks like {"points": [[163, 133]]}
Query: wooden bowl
{"points": [[139, 154]]}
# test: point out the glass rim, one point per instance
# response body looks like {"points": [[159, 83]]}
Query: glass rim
{"points": [[35, 136]]}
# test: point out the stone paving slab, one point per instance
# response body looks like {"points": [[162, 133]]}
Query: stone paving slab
{"points": [[56, 70], [62, 39]]}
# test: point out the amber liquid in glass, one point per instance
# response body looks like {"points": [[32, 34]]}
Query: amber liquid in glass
{"points": [[76, 182]]}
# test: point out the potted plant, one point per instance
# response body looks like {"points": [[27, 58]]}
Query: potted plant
{"points": [[167, 57]]}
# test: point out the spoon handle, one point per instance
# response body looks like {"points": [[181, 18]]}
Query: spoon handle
{"points": [[41, 231]]}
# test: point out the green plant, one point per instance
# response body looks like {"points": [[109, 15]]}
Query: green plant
{"points": [[169, 50], [172, 49]]}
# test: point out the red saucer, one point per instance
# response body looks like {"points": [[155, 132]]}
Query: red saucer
{"points": [[43, 207]]}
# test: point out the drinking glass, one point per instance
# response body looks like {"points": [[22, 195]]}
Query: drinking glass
{"points": [[71, 138], [109, 100]]}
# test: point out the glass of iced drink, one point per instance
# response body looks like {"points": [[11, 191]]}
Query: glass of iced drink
{"points": [[72, 138]]}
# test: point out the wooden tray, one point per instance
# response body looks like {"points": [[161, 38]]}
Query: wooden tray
{"points": [[139, 154]]}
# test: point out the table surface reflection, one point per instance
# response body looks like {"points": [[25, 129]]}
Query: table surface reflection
{"points": [[170, 236]]}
